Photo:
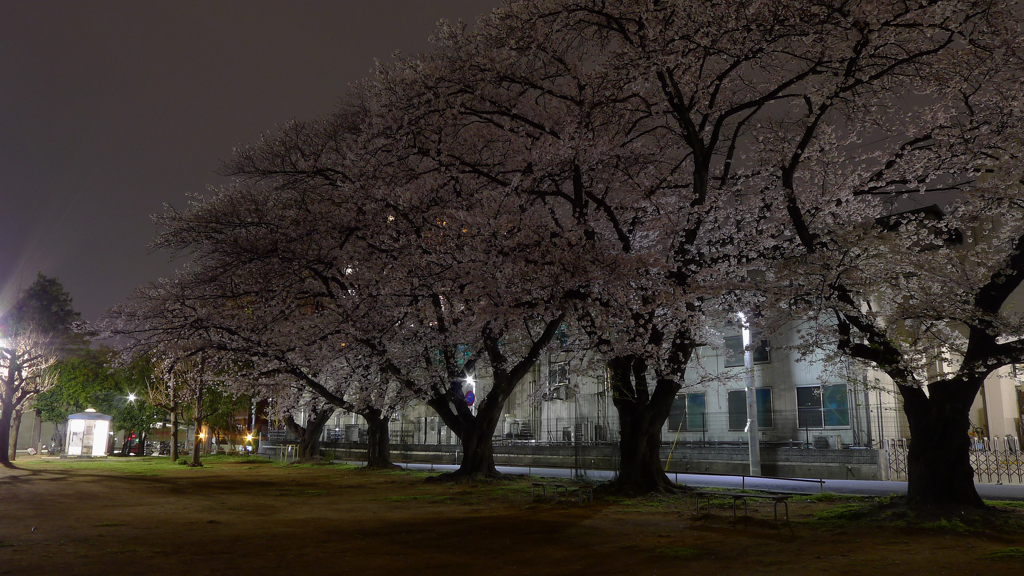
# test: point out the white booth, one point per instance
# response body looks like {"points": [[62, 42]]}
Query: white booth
{"points": [[87, 433]]}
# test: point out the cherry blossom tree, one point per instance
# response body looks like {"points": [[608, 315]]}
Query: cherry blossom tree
{"points": [[819, 119], [528, 106], [24, 361], [761, 110]]}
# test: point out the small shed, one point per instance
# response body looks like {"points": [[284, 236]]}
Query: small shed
{"points": [[87, 433]]}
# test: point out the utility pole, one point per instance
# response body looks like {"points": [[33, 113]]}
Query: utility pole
{"points": [[752, 433]]}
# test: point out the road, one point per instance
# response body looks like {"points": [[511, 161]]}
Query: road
{"points": [[797, 485]]}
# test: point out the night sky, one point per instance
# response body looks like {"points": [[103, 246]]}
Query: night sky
{"points": [[109, 110]]}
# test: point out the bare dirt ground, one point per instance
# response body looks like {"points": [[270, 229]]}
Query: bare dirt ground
{"points": [[147, 516]]}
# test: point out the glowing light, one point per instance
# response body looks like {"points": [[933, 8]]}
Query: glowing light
{"points": [[132, 396], [470, 380], [248, 437]]}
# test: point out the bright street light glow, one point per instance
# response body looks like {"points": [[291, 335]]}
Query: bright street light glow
{"points": [[131, 396]]}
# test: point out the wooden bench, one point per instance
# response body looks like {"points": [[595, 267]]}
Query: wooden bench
{"points": [[737, 496], [581, 492]]}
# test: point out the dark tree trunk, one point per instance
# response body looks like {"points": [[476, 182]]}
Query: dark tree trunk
{"points": [[641, 417], [174, 432], [198, 422], [478, 447], [475, 431], [939, 468], [6, 414], [309, 435], [58, 437], [15, 430], [378, 440]]}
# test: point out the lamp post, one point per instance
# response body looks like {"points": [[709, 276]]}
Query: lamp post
{"points": [[752, 435]]}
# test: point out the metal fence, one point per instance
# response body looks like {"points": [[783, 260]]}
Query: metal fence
{"points": [[995, 460]]}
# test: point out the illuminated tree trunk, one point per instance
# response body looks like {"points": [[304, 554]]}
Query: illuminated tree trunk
{"points": [[37, 430], [15, 430], [6, 415]]}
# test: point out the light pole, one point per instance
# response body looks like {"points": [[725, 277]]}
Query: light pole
{"points": [[752, 435]]}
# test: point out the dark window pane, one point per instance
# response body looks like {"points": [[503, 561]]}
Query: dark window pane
{"points": [[761, 353], [737, 410], [677, 414], [809, 418], [808, 397], [764, 407], [695, 412], [733, 351]]}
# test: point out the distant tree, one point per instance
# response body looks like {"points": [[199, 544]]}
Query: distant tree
{"points": [[93, 379], [34, 333]]}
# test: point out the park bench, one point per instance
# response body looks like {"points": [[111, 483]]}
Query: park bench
{"points": [[743, 496], [567, 490]]}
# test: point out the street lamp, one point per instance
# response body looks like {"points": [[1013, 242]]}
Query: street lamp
{"points": [[752, 435], [132, 397], [471, 382]]}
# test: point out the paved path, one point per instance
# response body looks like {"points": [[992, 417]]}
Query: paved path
{"points": [[804, 486]]}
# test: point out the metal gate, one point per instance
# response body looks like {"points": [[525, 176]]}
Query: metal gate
{"points": [[995, 461]]}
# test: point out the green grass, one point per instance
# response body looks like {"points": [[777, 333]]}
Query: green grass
{"points": [[148, 465], [955, 526], [680, 552], [6, 544], [138, 465], [1014, 553], [843, 513], [1006, 503], [826, 497]]}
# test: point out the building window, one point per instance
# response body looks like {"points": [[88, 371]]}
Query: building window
{"points": [[689, 412], [822, 406], [696, 412], [558, 374], [734, 351], [738, 408]]}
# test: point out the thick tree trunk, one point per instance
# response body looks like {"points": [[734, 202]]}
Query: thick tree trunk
{"points": [[6, 414], [309, 435], [378, 441], [15, 430], [939, 468], [641, 417], [476, 431], [478, 448]]}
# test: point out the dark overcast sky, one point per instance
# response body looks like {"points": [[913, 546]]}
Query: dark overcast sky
{"points": [[109, 110]]}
